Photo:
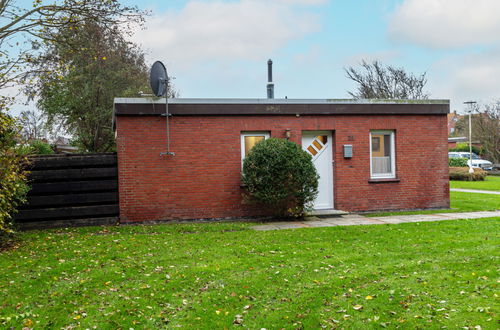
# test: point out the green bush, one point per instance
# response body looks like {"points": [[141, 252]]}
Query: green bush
{"points": [[462, 174], [457, 162], [40, 148], [13, 187], [281, 176], [464, 147]]}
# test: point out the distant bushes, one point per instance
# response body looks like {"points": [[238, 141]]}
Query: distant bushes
{"points": [[462, 174], [464, 147], [35, 147], [459, 170], [457, 162], [38, 147]]}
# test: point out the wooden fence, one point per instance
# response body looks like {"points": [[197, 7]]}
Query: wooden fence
{"points": [[71, 190]]}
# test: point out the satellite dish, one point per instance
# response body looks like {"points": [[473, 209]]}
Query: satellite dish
{"points": [[158, 79]]}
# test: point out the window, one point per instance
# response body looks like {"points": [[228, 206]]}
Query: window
{"points": [[317, 146], [249, 140], [382, 155]]}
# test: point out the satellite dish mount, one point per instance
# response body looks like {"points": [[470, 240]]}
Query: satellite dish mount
{"points": [[158, 79]]}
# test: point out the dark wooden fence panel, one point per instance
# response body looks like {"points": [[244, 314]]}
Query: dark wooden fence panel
{"points": [[72, 173], [74, 199], [68, 212], [71, 190], [45, 188]]}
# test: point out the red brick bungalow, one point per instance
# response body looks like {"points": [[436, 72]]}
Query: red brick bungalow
{"points": [[370, 154]]}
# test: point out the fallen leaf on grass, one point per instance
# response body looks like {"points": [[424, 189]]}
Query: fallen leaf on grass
{"points": [[28, 323], [357, 307], [238, 320]]}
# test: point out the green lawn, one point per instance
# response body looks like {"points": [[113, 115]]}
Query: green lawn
{"points": [[490, 183], [210, 276], [459, 202]]}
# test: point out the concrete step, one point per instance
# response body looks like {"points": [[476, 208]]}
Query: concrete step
{"points": [[327, 213]]}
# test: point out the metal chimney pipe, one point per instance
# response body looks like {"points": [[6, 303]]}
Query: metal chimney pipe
{"points": [[270, 84]]}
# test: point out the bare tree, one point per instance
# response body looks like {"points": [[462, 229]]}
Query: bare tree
{"points": [[23, 29], [376, 81], [33, 125], [487, 129]]}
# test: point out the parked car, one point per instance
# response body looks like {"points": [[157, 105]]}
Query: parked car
{"points": [[477, 162]]}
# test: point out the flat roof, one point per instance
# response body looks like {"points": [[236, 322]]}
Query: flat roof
{"points": [[153, 106], [151, 100]]}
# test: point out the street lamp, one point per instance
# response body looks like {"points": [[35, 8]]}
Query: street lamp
{"points": [[471, 104]]}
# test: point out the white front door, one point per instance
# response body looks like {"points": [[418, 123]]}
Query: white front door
{"points": [[319, 145]]}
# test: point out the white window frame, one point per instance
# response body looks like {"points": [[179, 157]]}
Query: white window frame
{"points": [[391, 175], [266, 135]]}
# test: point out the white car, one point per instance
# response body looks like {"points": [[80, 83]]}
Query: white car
{"points": [[477, 162]]}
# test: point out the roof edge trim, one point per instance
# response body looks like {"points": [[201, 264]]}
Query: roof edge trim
{"points": [[157, 100]]}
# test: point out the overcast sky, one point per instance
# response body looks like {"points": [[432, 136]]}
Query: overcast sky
{"points": [[220, 48]]}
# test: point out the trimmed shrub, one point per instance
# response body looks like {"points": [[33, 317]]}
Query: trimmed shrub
{"points": [[464, 147], [462, 174], [281, 176], [13, 187], [457, 162]]}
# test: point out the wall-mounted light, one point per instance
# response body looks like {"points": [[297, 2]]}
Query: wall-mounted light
{"points": [[288, 134]]}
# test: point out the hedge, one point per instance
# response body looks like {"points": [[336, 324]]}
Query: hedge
{"points": [[464, 147], [457, 162], [462, 174]]}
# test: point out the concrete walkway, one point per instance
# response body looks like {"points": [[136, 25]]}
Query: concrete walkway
{"points": [[476, 191], [356, 219]]}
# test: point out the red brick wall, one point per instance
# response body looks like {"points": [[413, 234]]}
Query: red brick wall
{"points": [[202, 180]]}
